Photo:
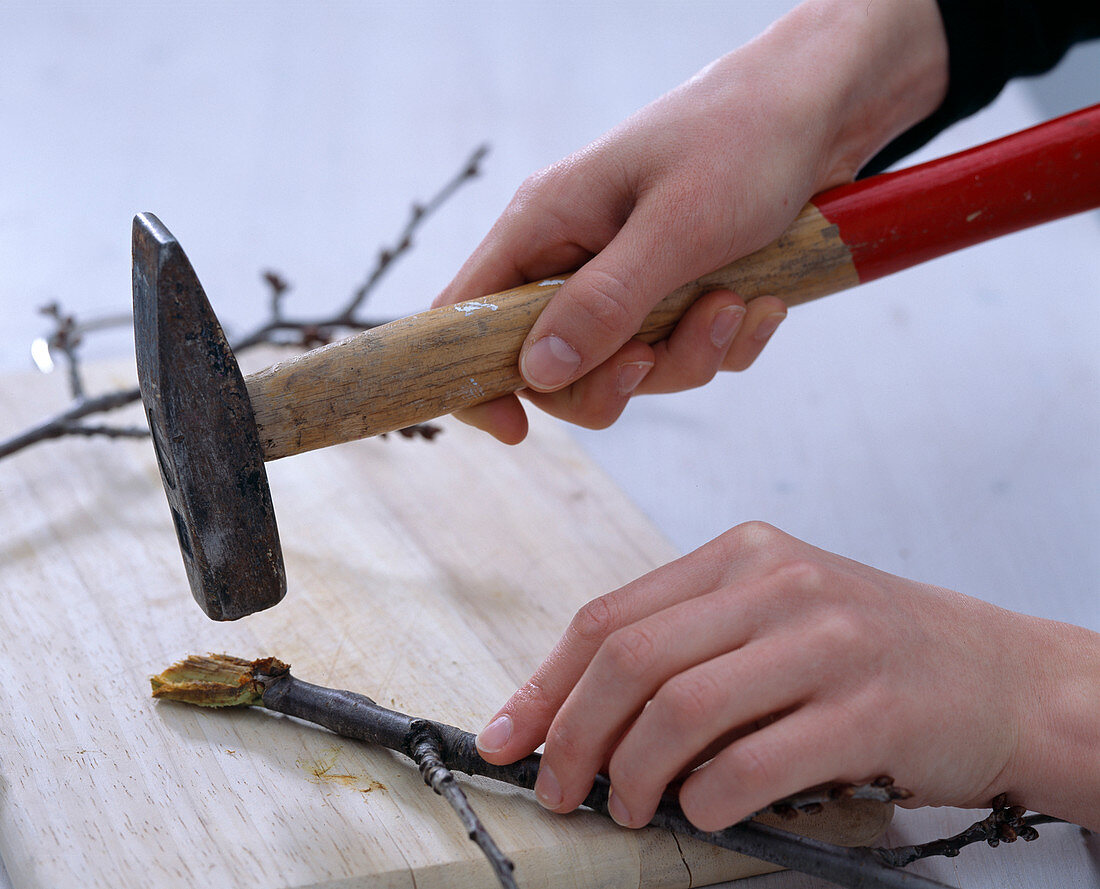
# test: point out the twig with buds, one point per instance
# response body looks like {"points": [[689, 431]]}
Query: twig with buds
{"points": [[68, 334]]}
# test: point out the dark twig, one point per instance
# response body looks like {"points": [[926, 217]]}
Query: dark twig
{"points": [[66, 422], [66, 339], [67, 336], [426, 748], [279, 287], [310, 332], [220, 680], [1005, 824], [853, 867], [89, 431], [417, 215]]}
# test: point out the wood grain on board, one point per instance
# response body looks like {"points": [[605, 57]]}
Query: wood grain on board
{"points": [[431, 576]]}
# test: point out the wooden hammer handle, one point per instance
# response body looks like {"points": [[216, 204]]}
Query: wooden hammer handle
{"points": [[445, 359], [437, 362]]}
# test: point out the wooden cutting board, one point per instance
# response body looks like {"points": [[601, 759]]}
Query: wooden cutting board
{"points": [[432, 576]]}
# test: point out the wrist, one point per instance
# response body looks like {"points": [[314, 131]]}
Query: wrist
{"points": [[867, 72], [1056, 768]]}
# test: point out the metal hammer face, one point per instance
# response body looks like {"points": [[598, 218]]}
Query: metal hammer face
{"points": [[204, 434]]}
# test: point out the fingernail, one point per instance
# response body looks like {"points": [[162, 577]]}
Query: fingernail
{"points": [[547, 789], [549, 363], [631, 375], [495, 735], [617, 810], [725, 325], [768, 326]]}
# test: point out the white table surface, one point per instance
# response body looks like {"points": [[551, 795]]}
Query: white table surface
{"points": [[943, 424]]}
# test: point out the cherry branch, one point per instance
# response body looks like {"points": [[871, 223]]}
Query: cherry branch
{"points": [[1005, 824], [68, 421], [276, 329], [425, 746], [223, 681]]}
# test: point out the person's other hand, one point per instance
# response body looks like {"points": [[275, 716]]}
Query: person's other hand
{"points": [[759, 666]]}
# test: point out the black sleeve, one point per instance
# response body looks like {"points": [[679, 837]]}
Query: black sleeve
{"points": [[988, 43]]}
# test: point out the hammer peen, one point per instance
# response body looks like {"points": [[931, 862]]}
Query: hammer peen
{"points": [[213, 429]]}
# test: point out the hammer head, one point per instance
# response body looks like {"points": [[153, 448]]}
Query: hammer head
{"points": [[204, 434]]}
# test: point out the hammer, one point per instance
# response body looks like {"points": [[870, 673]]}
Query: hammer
{"points": [[213, 429]]}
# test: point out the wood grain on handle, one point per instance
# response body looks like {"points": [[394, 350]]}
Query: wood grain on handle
{"points": [[445, 359], [440, 361]]}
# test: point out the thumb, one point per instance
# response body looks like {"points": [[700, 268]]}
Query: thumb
{"points": [[603, 304]]}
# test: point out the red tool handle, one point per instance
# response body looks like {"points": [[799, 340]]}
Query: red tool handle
{"points": [[895, 220]]}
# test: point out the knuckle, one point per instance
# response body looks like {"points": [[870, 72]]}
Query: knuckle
{"points": [[541, 194], [733, 362], [688, 698], [596, 620], [563, 744], [755, 536], [629, 777], [606, 305], [740, 356], [688, 369], [697, 374], [751, 768], [597, 421], [533, 187], [631, 650], [595, 413], [841, 630], [800, 574]]}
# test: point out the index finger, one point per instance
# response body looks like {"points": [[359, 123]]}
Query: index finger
{"points": [[557, 220], [521, 724]]}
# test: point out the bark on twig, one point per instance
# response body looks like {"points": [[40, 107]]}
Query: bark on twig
{"points": [[1005, 824], [220, 680], [277, 329], [68, 421], [426, 749]]}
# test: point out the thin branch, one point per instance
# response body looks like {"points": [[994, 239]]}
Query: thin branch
{"points": [[854, 867], [417, 215], [278, 285], [321, 330], [1005, 824], [65, 423], [221, 680], [66, 338], [68, 333], [79, 429], [426, 748]]}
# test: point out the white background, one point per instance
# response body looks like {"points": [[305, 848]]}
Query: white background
{"points": [[943, 424]]}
